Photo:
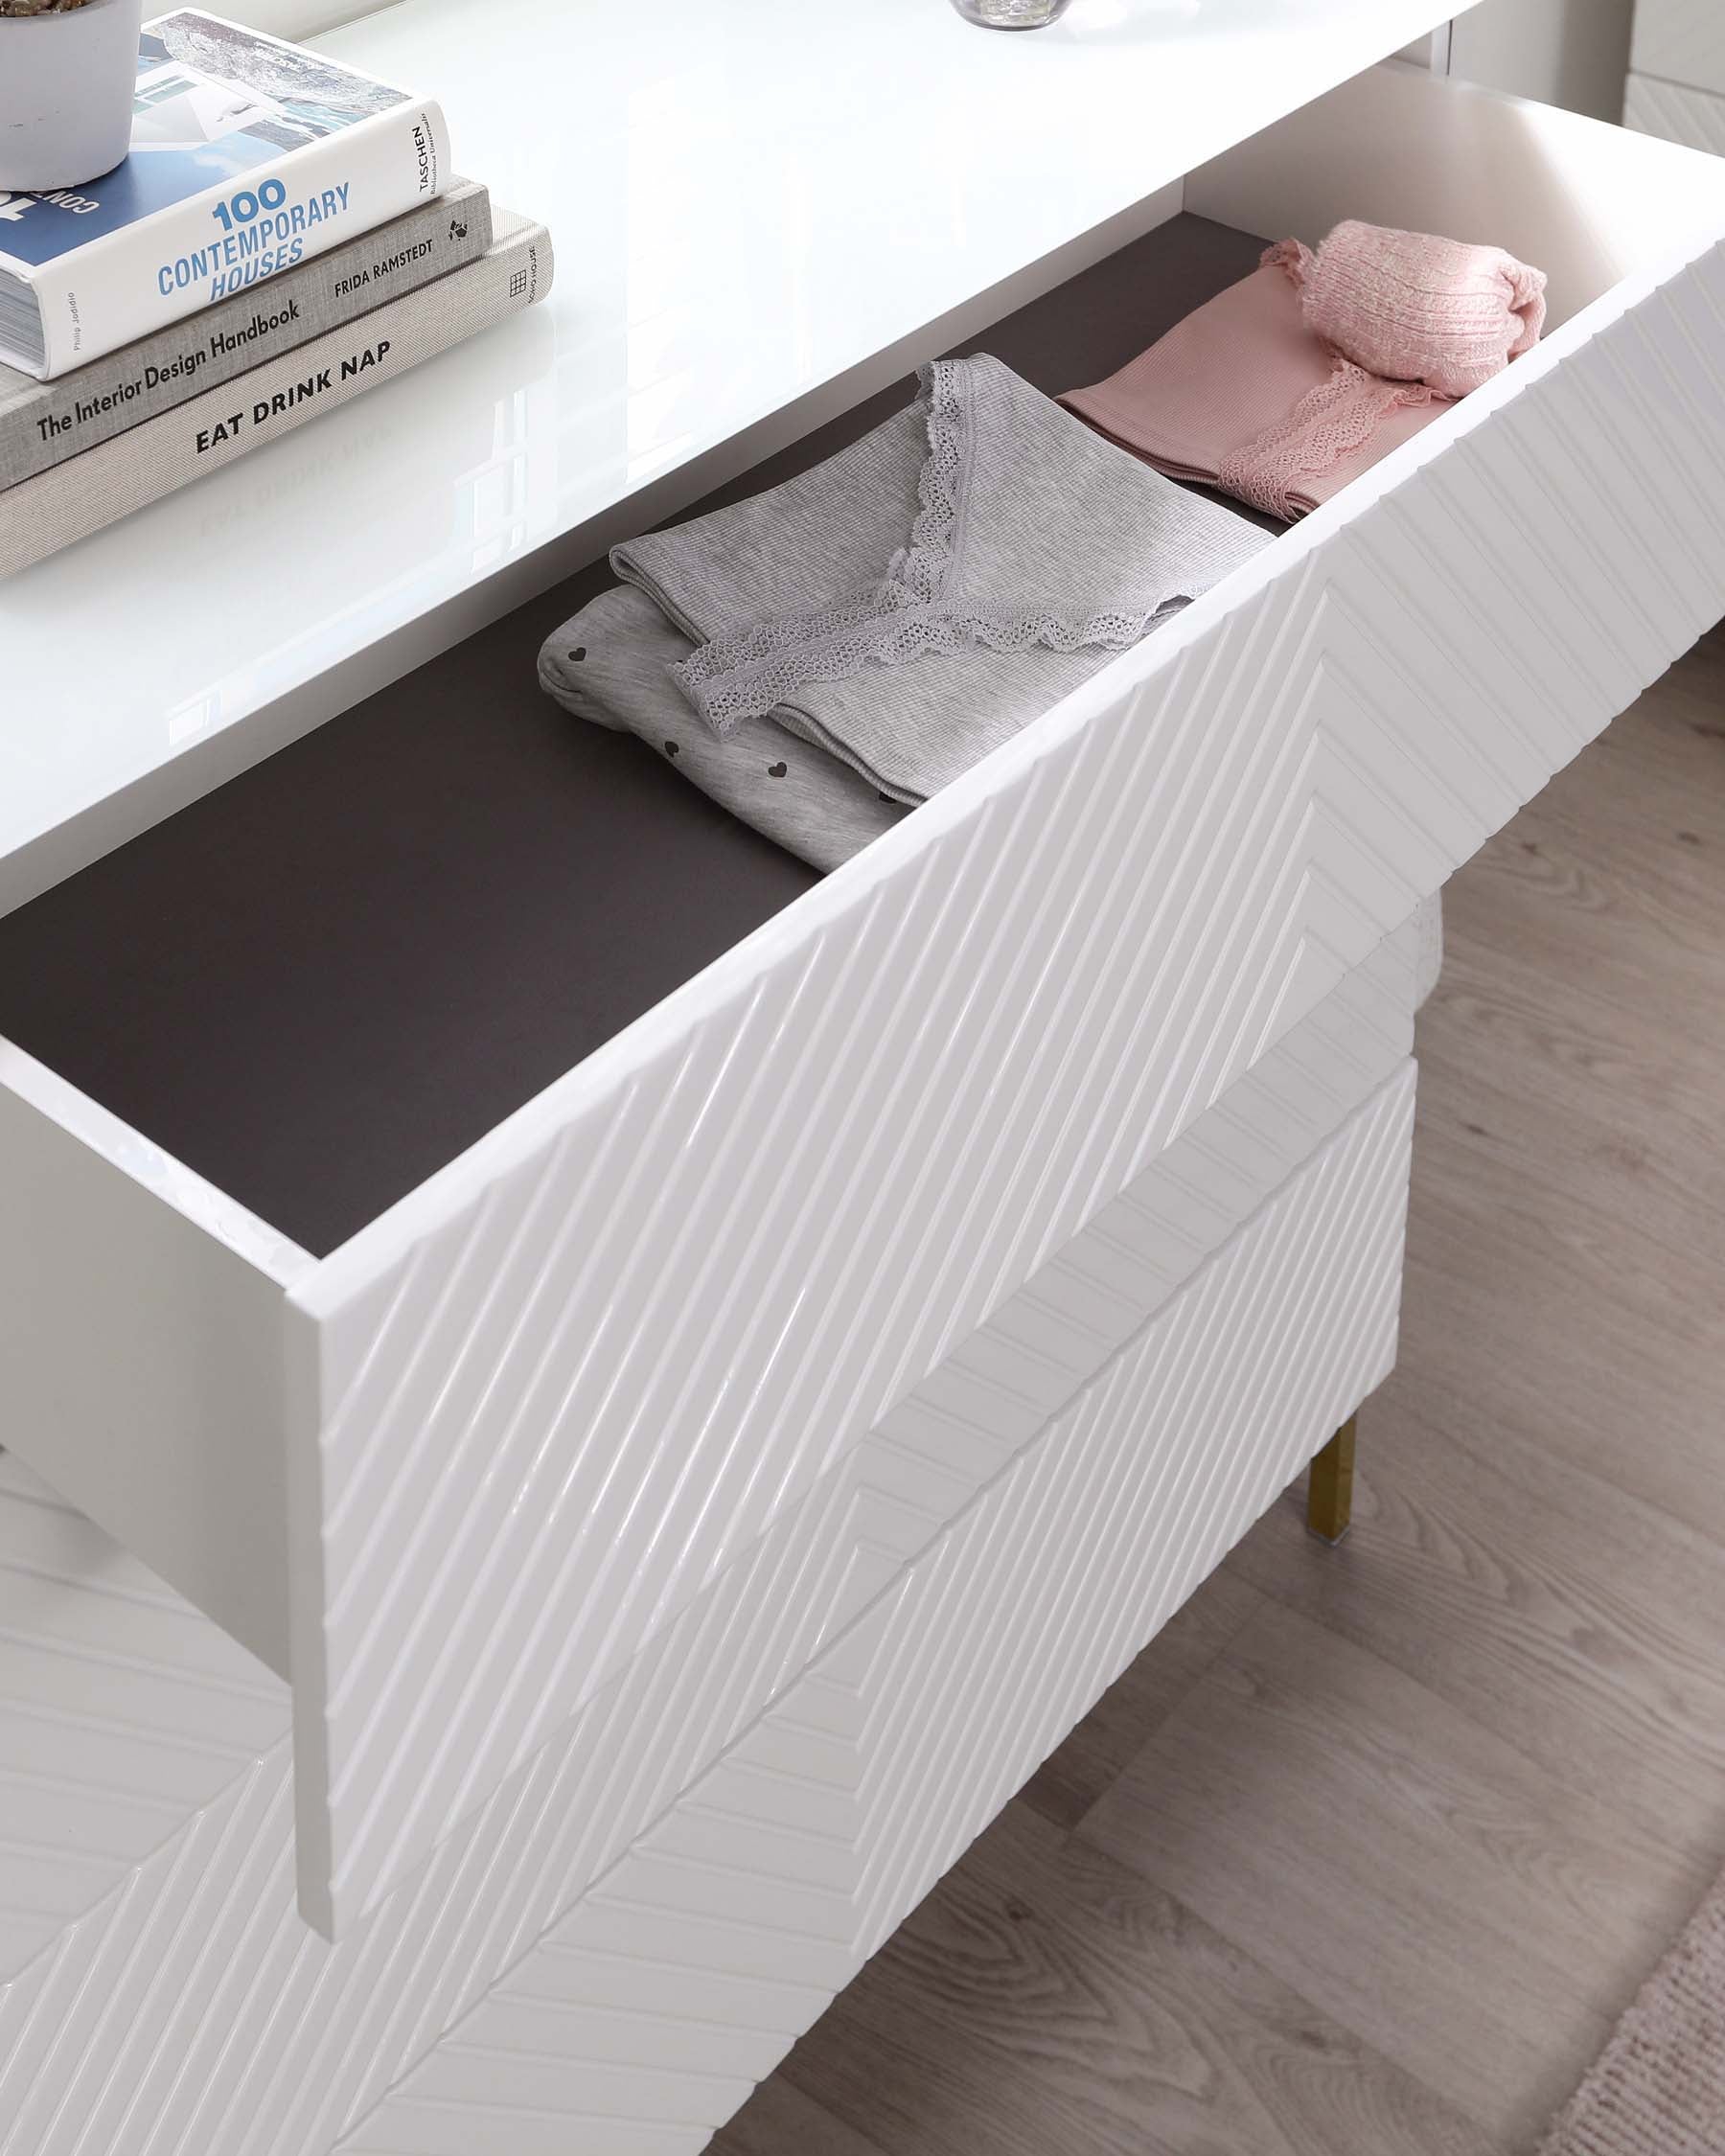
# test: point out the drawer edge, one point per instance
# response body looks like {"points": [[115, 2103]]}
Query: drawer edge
{"points": [[141, 1336]]}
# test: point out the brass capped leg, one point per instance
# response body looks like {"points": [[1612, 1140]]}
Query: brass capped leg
{"points": [[1329, 1492]]}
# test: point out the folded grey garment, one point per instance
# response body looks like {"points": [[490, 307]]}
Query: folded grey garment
{"points": [[919, 598], [613, 664]]}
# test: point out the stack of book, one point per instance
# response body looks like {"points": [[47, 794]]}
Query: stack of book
{"points": [[286, 233]]}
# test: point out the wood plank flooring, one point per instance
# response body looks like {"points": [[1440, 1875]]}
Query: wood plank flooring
{"points": [[1365, 1853]]}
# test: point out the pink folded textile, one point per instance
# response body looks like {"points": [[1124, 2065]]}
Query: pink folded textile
{"points": [[1411, 307], [1295, 380], [1243, 395]]}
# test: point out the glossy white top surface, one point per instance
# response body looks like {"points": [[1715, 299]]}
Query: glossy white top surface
{"points": [[747, 197]]}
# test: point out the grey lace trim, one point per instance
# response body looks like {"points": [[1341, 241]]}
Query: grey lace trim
{"points": [[747, 673]]}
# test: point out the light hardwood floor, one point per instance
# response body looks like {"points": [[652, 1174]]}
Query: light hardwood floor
{"points": [[1365, 1853]]}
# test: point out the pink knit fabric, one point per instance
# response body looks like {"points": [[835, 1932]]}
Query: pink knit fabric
{"points": [[1302, 376], [1411, 307], [1243, 371]]}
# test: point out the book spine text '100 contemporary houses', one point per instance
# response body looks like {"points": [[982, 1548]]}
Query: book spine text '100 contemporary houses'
{"points": [[44, 423], [248, 156], [216, 428]]}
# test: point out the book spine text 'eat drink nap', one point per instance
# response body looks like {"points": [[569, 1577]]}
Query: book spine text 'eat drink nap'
{"points": [[223, 425], [44, 423]]}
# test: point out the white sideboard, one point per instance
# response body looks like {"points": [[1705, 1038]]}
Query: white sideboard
{"points": [[559, 1516]]}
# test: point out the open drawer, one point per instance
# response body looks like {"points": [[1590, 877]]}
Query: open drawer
{"points": [[446, 1460]]}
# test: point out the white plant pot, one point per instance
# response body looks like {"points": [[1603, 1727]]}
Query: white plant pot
{"points": [[66, 94]]}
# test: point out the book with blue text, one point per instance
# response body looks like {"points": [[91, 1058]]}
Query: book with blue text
{"points": [[43, 423], [226, 423], [248, 155]]}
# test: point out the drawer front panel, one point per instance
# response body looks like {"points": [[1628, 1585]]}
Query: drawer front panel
{"points": [[1677, 112], [661, 1525], [192, 2002], [641, 2023]]}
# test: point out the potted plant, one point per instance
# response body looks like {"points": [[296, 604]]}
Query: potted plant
{"points": [[66, 74]]}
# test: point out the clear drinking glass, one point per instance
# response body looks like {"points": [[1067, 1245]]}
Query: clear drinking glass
{"points": [[1012, 14]]}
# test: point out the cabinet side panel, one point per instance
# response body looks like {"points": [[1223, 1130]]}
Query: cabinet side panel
{"points": [[141, 1369]]}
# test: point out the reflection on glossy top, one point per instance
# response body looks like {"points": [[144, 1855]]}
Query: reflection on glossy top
{"points": [[746, 197]]}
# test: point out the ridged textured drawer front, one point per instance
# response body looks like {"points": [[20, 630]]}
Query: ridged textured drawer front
{"points": [[183, 1995], [649, 1526], [643, 2020], [1677, 111]]}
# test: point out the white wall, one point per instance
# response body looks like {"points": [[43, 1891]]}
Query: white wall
{"points": [[1573, 53]]}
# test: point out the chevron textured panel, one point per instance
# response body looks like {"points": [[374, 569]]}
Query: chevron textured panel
{"points": [[121, 1711], [190, 2014], [644, 2019], [545, 1403], [1683, 41], [615, 1555], [1678, 113]]}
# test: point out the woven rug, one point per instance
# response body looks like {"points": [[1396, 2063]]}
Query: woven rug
{"points": [[1658, 2088]]}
